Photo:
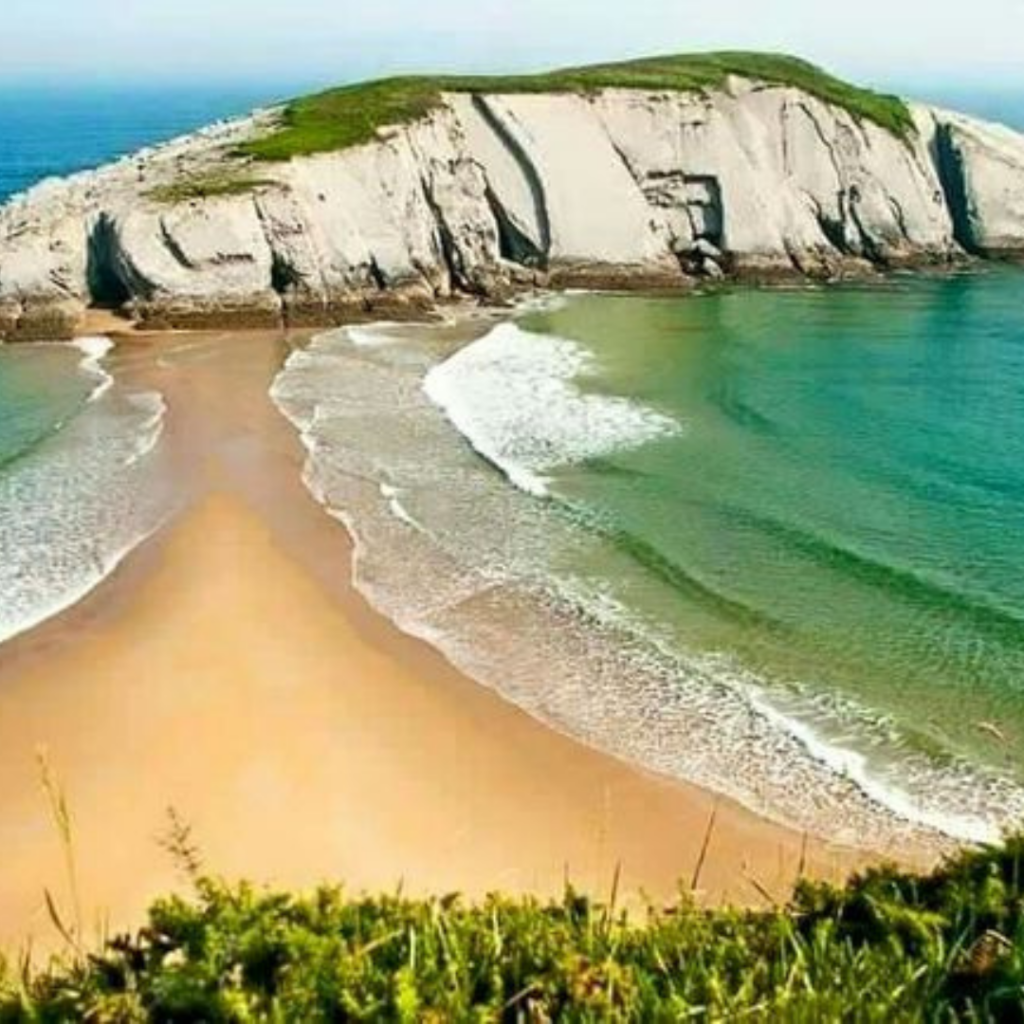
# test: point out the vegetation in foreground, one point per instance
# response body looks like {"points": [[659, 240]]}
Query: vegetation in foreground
{"points": [[890, 946], [349, 116]]}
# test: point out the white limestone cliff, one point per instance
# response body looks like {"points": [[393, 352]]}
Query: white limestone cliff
{"points": [[491, 193]]}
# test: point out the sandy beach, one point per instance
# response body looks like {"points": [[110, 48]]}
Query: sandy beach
{"points": [[229, 670]]}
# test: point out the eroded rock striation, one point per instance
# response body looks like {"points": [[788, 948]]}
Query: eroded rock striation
{"points": [[489, 193]]}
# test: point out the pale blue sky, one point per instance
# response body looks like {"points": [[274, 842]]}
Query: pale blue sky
{"points": [[903, 42]]}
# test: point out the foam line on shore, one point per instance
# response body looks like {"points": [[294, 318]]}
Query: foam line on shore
{"points": [[94, 350], [853, 765], [76, 505]]}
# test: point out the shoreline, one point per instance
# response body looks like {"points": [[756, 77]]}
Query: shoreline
{"points": [[840, 798], [405, 310], [468, 794], [460, 306]]}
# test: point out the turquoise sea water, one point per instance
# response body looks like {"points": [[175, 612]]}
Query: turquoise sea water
{"points": [[842, 508], [845, 496], [39, 389], [771, 541]]}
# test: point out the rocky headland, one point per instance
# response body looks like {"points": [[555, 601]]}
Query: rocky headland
{"points": [[655, 174]]}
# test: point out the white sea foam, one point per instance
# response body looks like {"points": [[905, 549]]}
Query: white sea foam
{"points": [[151, 429], [74, 507], [853, 765], [14, 621], [546, 302], [95, 350], [515, 397], [372, 336], [398, 510], [927, 805]]}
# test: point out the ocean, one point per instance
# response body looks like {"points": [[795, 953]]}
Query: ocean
{"points": [[63, 129], [767, 541]]}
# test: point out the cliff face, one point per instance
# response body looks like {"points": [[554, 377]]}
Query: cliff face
{"points": [[489, 193]]}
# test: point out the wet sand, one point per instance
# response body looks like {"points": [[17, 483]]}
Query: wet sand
{"points": [[230, 671]]}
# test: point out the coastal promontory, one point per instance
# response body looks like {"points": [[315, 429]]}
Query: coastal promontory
{"points": [[390, 198]]}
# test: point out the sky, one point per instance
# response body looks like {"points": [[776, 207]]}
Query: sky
{"points": [[898, 43]]}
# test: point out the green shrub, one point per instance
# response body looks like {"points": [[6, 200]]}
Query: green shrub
{"points": [[889, 946]]}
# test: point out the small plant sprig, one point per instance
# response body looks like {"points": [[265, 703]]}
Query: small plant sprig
{"points": [[70, 930]]}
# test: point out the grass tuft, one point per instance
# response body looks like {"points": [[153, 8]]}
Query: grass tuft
{"points": [[355, 114], [209, 186]]}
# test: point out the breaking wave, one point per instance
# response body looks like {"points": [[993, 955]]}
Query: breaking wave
{"points": [[517, 399]]}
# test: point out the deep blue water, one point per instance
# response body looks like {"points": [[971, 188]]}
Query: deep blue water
{"points": [[59, 130]]}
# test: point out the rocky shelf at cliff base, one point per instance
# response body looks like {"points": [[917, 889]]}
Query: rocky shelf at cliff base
{"points": [[485, 192]]}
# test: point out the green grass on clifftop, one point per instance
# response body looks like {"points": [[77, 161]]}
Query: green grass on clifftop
{"points": [[890, 946], [349, 116]]}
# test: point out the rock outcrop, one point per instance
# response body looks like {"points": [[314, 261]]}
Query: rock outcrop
{"points": [[492, 193]]}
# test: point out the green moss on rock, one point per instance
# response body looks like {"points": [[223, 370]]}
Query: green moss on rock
{"points": [[209, 186]]}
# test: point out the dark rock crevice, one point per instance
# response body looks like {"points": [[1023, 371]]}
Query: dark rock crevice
{"points": [[529, 172], [447, 249], [825, 140], [104, 276], [283, 278], [286, 282], [787, 163], [377, 275], [705, 208], [797, 262], [868, 243], [901, 218], [513, 245], [949, 166], [172, 246], [636, 175], [833, 228]]}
